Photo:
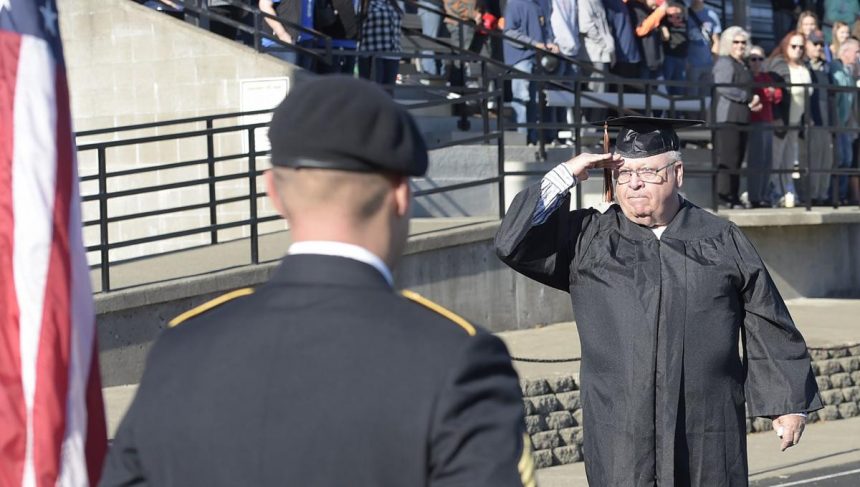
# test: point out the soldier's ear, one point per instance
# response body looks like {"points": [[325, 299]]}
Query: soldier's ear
{"points": [[273, 193], [402, 195], [679, 173]]}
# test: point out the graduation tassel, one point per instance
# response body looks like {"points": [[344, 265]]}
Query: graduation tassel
{"points": [[608, 193]]}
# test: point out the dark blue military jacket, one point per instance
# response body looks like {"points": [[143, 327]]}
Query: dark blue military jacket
{"points": [[324, 377]]}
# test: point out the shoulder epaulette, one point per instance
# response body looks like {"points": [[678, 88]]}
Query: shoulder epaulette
{"points": [[214, 303], [459, 320]]}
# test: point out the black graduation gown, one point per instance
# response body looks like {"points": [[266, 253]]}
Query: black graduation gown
{"points": [[663, 383]]}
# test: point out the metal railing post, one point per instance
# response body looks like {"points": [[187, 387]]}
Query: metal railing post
{"points": [[257, 27], [648, 104], [577, 127], [803, 165], [252, 190], [485, 111], [210, 163], [104, 238], [541, 109], [500, 127], [714, 148]]}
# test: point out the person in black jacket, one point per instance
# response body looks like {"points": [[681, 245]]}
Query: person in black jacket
{"points": [[675, 40], [649, 37], [786, 66], [734, 101], [325, 376]]}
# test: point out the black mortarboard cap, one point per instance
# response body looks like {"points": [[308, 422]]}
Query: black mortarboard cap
{"points": [[339, 122], [640, 137]]}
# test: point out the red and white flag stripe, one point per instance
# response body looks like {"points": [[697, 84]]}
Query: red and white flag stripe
{"points": [[51, 412]]}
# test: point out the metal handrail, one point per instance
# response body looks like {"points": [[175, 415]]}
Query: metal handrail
{"points": [[804, 171], [104, 196], [200, 8]]}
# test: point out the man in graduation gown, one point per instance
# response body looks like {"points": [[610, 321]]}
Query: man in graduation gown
{"points": [[324, 375], [663, 292]]}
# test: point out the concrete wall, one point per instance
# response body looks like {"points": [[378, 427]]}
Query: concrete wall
{"points": [[458, 268], [128, 64], [809, 254]]}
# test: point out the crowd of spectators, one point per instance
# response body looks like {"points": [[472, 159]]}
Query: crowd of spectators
{"points": [[785, 114], [762, 103]]}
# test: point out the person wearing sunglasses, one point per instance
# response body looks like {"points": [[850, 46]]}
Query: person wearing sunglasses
{"points": [[760, 146], [787, 67], [820, 139], [735, 101]]}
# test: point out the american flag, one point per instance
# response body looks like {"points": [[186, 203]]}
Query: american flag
{"points": [[52, 428]]}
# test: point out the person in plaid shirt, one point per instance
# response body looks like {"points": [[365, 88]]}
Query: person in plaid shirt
{"points": [[380, 32]]}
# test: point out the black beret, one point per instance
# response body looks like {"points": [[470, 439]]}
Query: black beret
{"points": [[646, 136], [339, 122]]}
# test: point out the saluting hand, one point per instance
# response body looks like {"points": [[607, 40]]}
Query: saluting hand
{"points": [[580, 164], [789, 427]]}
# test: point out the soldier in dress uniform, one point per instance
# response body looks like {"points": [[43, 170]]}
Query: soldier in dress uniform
{"points": [[325, 376]]}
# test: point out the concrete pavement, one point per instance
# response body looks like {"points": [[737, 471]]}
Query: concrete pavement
{"points": [[833, 446], [826, 446], [823, 322]]}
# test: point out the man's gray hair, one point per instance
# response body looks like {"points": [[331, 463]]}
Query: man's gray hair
{"points": [[758, 48], [728, 37], [845, 45], [674, 156]]}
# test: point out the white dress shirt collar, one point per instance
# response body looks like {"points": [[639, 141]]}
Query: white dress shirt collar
{"points": [[342, 249]]}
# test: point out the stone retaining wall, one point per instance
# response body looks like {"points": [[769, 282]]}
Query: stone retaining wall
{"points": [[554, 411]]}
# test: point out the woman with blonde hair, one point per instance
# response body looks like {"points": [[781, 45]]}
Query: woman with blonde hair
{"points": [[841, 32], [807, 22], [735, 101]]}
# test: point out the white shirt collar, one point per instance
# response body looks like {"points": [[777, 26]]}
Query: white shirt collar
{"points": [[658, 231], [342, 249]]}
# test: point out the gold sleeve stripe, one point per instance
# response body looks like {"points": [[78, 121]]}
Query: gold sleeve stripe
{"points": [[413, 296], [191, 313], [526, 466]]}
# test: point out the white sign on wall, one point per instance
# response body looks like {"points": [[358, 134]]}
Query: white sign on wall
{"points": [[261, 94]]}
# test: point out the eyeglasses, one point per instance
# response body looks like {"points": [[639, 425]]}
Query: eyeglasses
{"points": [[644, 173], [756, 58], [796, 46]]}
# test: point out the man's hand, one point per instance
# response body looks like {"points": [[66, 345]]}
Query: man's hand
{"points": [[580, 164], [789, 427], [547, 47], [283, 35], [756, 105]]}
